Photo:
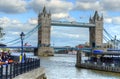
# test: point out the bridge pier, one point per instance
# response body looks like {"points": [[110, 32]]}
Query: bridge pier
{"points": [[78, 58], [45, 51]]}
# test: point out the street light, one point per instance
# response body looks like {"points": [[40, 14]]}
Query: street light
{"points": [[22, 38]]}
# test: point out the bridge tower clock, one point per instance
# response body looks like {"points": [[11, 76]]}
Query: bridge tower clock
{"points": [[44, 19], [96, 33]]}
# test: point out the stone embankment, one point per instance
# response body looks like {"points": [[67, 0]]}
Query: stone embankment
{"points": [[38, 73]]}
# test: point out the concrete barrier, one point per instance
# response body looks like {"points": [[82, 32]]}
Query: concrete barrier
{"points": [[38, 73]]}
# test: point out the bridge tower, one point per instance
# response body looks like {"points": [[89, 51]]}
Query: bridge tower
{"points": [[44, 48], [96, 33]]}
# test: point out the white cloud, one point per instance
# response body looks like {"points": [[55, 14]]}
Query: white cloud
{"points": [[58, 8], [59, 16], [12, 6], [11, 24], [13, 28], [55, 6], [111, 5], [107, 20], [15, 33], [4, 20], [63, 17], [100, 5], [15, 21], [87, 5], [116, 20], [112, 20], [33, 21]]}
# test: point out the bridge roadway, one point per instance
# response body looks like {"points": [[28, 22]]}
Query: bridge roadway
{"points": [[72, 24], [56, 48], [52, 47], [59, 48]]}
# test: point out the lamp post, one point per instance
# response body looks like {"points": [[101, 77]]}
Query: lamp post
{"points": [[22, 37]]}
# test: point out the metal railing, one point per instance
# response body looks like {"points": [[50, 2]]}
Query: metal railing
{"points": [[9, 71]]}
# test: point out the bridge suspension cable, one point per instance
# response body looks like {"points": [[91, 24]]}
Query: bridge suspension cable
{"points": [[105, 38], [109, 35], [113, 41], [15, 41]]}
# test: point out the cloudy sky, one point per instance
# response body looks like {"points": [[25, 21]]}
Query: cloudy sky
{"points": [[21, 15]]}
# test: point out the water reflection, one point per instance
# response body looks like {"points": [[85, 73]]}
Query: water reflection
{"points": [[62, 66]]}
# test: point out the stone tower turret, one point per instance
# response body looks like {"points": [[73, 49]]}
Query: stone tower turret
{"points": [[96, 33], [44, 19]]}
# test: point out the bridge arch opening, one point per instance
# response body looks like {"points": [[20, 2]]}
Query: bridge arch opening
{"points": [[68, 36]]}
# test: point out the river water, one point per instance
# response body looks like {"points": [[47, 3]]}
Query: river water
{"points": [[62, 66]]}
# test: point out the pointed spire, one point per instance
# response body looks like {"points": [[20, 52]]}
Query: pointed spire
{"points": [[44, 9], [39, 13], [96, 16], [102, 17], [90, 18], [49, 12]]}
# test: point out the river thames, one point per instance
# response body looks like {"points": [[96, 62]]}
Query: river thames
{"points": [[62, 66]]}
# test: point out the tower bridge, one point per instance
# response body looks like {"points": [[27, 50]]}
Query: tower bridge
{"points": [[95, 26]]}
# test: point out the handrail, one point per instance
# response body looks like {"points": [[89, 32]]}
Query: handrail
{"points": [[9, 71]]}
